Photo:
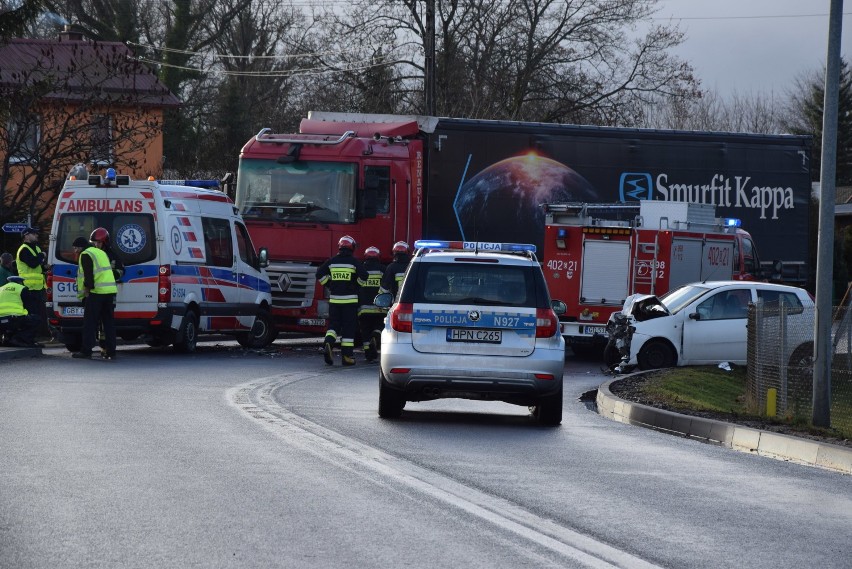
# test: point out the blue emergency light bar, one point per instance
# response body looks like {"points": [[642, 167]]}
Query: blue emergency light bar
{"points": [[731, 222], [473, 245], [210, 184]]}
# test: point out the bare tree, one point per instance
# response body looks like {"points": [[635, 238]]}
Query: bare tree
{"points": [[739, 112], [548, 60]]}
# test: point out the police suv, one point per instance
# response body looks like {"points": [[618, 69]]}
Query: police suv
{"points": [[190, 266], [474, 321]]}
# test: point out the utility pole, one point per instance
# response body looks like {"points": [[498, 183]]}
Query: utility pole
{"points": [[825, 270], [429, 59]]}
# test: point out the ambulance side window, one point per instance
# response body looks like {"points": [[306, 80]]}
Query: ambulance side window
{"points": [[246, 249], [217, 242]]}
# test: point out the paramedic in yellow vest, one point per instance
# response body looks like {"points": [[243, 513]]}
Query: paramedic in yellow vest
{"points": [[18, 327], [342, 276], [96, 287], [31, 262]]}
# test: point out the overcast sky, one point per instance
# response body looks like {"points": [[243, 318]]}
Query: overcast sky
{"points": [[747, 46]]}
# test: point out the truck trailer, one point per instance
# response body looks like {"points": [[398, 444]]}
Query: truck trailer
{"points": [[388, 178]]}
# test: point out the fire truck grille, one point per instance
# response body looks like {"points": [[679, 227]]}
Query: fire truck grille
{"points": [[293, 285]]}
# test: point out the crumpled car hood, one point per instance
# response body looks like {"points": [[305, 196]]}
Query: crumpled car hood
{"points": [[644, 307]]}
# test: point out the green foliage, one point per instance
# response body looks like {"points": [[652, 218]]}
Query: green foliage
{"points": [[700, 388], [14, 21]]}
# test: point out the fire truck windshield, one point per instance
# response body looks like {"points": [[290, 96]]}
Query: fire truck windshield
{"points": [[298, 191]]}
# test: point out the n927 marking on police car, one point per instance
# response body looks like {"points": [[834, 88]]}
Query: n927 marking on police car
{"points": [[474, 335]]}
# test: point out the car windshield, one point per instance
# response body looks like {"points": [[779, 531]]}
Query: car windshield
{"points": [[297, 191], [675, 300]]}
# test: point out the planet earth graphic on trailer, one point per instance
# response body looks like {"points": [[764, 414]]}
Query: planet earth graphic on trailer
{"points": [[509, 195]]}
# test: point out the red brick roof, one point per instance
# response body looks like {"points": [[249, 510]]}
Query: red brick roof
{"points": [[81, 67]]}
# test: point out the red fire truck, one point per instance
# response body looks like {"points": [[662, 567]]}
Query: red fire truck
{"points": [[596, 255], [386, 178]]}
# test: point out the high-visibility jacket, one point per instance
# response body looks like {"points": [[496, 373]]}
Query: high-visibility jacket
{"points": [[104, 279], [342, 275], [33, 277], [10, 300]]}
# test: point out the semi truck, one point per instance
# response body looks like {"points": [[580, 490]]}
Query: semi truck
{"points": [[596, 255], [388, 178]]}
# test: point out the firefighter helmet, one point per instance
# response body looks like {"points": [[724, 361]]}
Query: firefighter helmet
{"points": [[99, 234], [372, 253], [400, 247], [346, 242]]}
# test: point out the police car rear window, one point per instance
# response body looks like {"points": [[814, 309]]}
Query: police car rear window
{"points": [[460, 283], [132, 235]]}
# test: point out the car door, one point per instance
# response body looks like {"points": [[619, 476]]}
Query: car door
{"points": [[249, 276], [714, 328]]}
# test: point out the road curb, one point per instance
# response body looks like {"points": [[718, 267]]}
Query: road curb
{"points": [[737, 437]]}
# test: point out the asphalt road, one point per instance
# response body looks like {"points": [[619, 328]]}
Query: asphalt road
{"points": [[228, 458]]}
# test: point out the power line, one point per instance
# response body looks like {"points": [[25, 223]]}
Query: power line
{"points": [[766, 17]]}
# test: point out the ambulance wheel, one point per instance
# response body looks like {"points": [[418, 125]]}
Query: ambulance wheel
{"points": [[187, 335], [262, 333], [73, 342]]}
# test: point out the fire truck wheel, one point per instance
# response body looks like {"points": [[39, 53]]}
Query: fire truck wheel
{"points": [[656, 354], [262, 333], [391, 401], [187, 335]]}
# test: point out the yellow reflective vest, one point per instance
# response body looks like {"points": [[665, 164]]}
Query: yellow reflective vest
{"points": [[33, 277], [104, 279], [10, 300]]}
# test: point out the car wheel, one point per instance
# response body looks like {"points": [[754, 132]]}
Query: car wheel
{"points": [[800, 372], [611, 354], [548, 410], [187, 335], [391, 401], [656, 354], [262, 332]]}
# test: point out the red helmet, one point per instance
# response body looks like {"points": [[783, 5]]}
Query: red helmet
{"points": [[372, 253], [99, 234], [400, 247], [346, 242]]}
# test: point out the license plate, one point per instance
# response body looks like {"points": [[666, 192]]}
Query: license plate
{"points": [[311, 322], [468, 335], [72, 311], [592, 330]]}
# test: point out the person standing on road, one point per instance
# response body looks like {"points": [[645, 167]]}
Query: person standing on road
{"points": [[370, 316], [102, 235], [396, 270], [342, 275], [21, 327], [96, 287], [31, 262], [6, 269]]}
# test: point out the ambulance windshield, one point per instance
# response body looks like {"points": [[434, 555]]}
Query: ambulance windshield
{"points": [[298, 191]]}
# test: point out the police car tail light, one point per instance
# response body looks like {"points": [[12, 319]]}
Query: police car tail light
{"points": [[164, 284], [401, 317], [546, 323]]}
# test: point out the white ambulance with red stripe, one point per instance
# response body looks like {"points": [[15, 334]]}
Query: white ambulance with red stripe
{"points": [[190, 266]]}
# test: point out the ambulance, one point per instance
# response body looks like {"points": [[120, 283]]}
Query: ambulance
{"points": [[190, 266]]}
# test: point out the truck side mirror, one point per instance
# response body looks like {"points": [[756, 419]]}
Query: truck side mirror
{"points": [[263, 257]]}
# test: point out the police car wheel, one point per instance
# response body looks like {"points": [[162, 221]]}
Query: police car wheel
{"points": [[548, 410], [262, 333], [391, 401], [187, 334]]}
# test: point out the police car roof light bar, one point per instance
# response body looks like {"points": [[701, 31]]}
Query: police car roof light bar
{"points": [[474, 246]]}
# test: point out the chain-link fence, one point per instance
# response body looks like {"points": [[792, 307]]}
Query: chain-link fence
{"points": [[780, 364]]}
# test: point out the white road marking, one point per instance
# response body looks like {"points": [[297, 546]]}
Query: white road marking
{"points": [[255, 399]]}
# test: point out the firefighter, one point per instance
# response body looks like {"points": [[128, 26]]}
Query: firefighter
{"points": [[342, 275], [396, 270], [18, 326], [370, 316], [96, 287], [31, 262]]}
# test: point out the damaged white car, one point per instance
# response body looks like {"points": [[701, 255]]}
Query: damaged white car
{"points": [[695, 324]]}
